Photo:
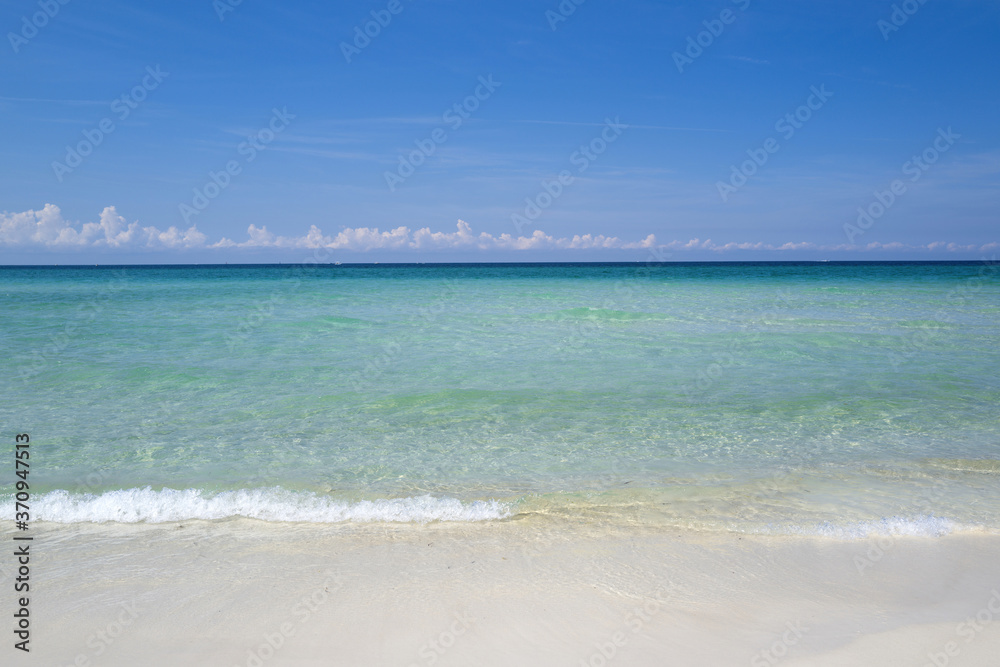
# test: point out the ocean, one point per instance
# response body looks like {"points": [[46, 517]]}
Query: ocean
{"points": [[836, 398]]}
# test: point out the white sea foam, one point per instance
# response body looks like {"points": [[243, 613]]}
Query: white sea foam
{"points": [[274, 504]]}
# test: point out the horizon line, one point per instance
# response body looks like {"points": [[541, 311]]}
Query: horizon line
{"points": [[511, 263]]}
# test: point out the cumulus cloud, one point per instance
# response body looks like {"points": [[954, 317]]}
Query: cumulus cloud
{"points": [[698, 244], [402, 238], [48, 229]]}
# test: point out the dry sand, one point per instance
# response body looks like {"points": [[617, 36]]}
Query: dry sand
{"points": [[519, 592]]}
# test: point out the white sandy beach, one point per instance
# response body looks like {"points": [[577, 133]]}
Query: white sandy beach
{"points": [[520, 592]]}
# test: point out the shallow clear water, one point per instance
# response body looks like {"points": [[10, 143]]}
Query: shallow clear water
{"points": [[831, 397]]}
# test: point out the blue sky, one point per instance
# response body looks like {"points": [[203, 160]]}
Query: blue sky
{"points": [[631, 126]]}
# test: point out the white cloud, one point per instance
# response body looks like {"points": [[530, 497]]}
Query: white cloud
{"points": [[403, 238], [48, 229]]}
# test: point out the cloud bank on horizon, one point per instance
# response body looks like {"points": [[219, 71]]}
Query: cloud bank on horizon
{"points": [[48, 229]]}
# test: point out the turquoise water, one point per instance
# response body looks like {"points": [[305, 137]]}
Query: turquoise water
{"points": [[830, 397]]}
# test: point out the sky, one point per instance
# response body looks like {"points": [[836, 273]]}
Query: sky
{"points": [[437, 130]]}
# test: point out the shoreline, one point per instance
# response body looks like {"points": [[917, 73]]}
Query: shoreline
{"points": [[529, 591]]}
